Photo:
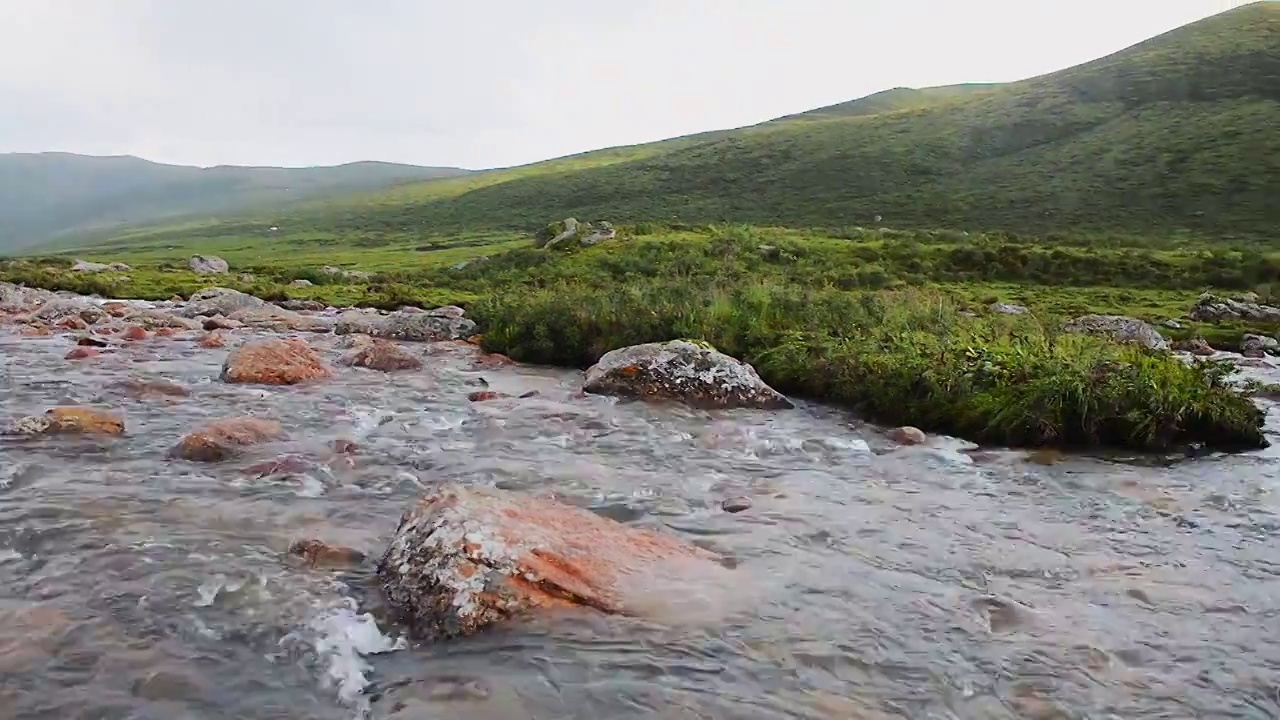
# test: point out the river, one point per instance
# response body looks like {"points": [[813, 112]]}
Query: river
{"points": [[873, 581]]}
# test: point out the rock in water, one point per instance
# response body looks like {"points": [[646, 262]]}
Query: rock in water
{"points": [[736, 504], [226, 438], [381, 355], [69, 421], [1256, 346], [221, 301], [907, 435], [1118, 328], [466, 558], [412, 327], [320, 554], [274, 362], [208, 265], [693, 373]]}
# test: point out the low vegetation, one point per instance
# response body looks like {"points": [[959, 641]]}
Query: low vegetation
{"points": [[895, 325]]}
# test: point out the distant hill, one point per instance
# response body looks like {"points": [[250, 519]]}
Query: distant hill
{"points": [[45, 195], [1180, 133]]}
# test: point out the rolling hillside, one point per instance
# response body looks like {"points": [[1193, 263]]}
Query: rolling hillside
{"points": [[45, 195], [1176, 135]]}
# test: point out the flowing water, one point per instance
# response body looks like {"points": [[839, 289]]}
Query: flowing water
{"points": [[872, 581]]}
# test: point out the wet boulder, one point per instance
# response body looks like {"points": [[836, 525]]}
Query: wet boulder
{"points": [[691, 372], [382, 355], [278, 319], [69, 421], [466, 558], [208, 265], [1256, 346], [320, 554], [221, 301], [217, 322], [275, 362], [212, 340], [59, 309], [1118, 328], [152, 319], [18, 299], [408, 326], [908, 435], [225, 439]]}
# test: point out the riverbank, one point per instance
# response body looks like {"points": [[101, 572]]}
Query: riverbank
{"points": [[897, 358]]}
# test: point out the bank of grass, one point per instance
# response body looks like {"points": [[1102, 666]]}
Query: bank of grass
{"points": [[906, 357]]}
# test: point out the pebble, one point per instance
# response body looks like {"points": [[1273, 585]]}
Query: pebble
{"points": [[736, 504]]}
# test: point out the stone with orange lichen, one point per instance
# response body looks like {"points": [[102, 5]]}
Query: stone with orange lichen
{"points": [[275, 362], [134, 333], [70, 420], [212, 340], [81, 352], [466, 558], [320, 554], [226, 438]]}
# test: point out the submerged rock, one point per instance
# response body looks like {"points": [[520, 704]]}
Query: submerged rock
{"points": [[320, 554], [381, 355], [139, 388], [225, 439], [1118, 328], [466, 558], [412, 327], [82, 352], [208, 265], [736, 504], [274, 362], [693, 373]]}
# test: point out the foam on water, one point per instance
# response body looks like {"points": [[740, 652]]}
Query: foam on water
{"points": [[343, 637]]}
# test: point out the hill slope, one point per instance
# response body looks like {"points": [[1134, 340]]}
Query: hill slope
{"points": [[48, 194], [1178, 133]]}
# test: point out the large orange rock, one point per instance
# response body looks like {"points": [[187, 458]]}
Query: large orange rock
{"points": [[465, 558], [275, 362], [226, 438]]}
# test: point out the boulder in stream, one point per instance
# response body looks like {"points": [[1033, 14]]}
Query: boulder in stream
{"points": [[1119, 328], [1256, 346], [275, 362], [408, 326], [690, 372], [224, 439], [466, 558], [221, 301], [384, 355], [1197, 346]]}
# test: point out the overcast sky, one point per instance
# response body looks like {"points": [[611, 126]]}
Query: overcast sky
{"points": [[491, 83]]}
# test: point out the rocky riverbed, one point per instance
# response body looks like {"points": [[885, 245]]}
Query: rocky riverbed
{"points": [[851, 571]]}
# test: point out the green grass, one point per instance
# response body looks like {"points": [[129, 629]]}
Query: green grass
{"points": [[898, 358], [875, 321]]}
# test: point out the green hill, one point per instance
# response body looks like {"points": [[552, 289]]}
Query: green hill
{"points": [[1176, 135], [45, 195]]}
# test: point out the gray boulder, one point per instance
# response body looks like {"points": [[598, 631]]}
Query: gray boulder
{"points": [[120, 267], [17, 299], [448, 311], [300, 282], [599, 232], [1256, 346], [571, 233], [208, 265], [59, 307], [1007, 309], [556, 233], [1118, 328], [1212, 308], [221, 301], [689, 372], [412, 327], [89, 267]]}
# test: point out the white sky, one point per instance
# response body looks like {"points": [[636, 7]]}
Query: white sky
{"points": [[499, 82]]}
